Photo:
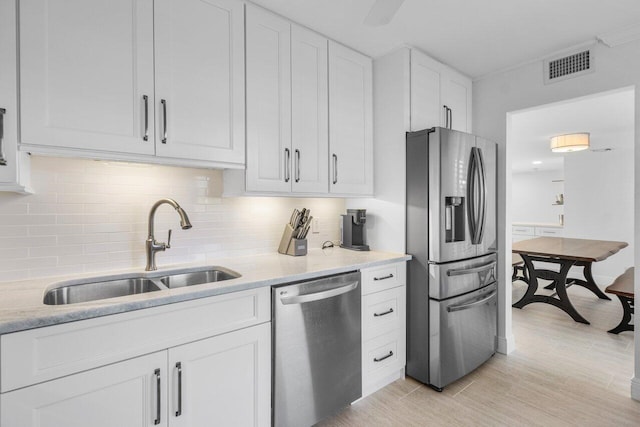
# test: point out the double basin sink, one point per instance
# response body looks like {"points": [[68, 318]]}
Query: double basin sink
{"points": [[99, 288]]}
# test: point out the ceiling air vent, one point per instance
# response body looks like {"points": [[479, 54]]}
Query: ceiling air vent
{"points": [[568, 66]]}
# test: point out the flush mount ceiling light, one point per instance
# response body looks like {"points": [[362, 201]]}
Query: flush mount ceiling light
{"points": [[570, 142], [536, 162]]}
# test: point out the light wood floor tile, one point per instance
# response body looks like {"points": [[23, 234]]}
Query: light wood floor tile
{"points": [[563, 373]]}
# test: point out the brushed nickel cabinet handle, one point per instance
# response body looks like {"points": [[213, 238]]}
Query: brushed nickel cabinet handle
{"points": [[388, 276], [179, 368], [287, 164], [3, 161], [164, 120], [158, 402], [297, 165], [335, 169], [446, 116], [145, 137]]}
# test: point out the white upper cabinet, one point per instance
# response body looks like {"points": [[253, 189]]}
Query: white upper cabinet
{"points": [[199, 63], [440, 96], [13, 165], [86, 67], [130, 79], [287, 106], [426, 108], [350, 121], [456, 95], [309, 112], [268, 102]]}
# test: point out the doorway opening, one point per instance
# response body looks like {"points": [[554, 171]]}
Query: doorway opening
{"points": [[581, 195]]}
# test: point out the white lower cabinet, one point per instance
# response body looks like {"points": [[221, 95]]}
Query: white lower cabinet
{"points": [[383, 326], [194, 363], [122, 394], [224, 380]]}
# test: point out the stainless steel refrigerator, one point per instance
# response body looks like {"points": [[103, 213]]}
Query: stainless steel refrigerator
{"points": [[451, 233]]}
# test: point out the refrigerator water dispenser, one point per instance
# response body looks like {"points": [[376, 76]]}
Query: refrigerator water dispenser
{"points": [[454, 219]]}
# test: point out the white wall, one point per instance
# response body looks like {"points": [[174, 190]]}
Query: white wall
{"points": [[89, 216], [533, 195], [521, 88], [599, 204], [385, 212]]}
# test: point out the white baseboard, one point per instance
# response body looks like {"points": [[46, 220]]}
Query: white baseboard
{"points": [[506, 344], [635, 388]]}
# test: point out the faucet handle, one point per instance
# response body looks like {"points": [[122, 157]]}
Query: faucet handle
{"points": [[168, 245]]}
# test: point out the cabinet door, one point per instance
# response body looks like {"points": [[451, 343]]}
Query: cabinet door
{"points": [[268, 102], [224, 380], [456, 94], [426, 108], [85, 68], [309, 111], [10, 168], [350, 121], [200, 79], [122, 394]]}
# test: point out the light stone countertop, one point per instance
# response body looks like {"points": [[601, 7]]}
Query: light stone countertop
{"points": [[21, 305]]}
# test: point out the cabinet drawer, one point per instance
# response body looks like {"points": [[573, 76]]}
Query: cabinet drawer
{"points": [[549, 231], [382, 356], [42, 354], [383, 312], [385, 277], [522, 230]]}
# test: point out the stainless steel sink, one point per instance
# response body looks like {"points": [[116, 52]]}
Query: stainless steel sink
{"points": [[72, 293], [99, 288], [198, 277]]}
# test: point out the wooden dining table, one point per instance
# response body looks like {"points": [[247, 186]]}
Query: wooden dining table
{"points": [[566, 253]]}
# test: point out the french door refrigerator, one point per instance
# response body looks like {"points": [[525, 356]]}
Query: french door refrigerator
{"points": [[451, 234]]}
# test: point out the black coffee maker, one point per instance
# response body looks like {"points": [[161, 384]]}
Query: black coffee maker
{"points": [[354, 233]]}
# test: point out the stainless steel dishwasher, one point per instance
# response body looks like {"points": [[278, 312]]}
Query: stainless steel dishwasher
{"points": [[317, 368]]}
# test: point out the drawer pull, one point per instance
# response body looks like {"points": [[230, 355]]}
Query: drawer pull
{"points": [[390, 276], [375, 359], [383, 314]]}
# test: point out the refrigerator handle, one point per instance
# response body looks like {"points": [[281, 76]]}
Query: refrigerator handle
{"points": [[471, 192], [483, 196], [472, 304]]}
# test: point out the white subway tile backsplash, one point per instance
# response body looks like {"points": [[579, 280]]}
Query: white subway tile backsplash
{"points": [[90, 216]]}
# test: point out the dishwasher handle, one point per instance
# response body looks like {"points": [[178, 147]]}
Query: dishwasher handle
{"points": [[316, 296]]}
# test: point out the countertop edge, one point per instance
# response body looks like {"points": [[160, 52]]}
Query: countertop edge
{"points": [[12, 326]]}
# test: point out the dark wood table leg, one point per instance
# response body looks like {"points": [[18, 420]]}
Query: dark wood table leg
{"points": [[627, 311], [559, 280]]}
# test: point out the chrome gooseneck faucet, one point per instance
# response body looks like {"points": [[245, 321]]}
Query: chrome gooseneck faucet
{"points": [[151, 245]]}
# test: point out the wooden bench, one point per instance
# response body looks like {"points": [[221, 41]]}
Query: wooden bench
{"points": [[622, 287], [519, 269]]}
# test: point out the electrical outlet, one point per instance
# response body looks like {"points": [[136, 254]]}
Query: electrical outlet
{"points": [[315, 225]]}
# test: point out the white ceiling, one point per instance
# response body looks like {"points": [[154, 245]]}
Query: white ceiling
{"points": [[609, 118], [477, 37]]}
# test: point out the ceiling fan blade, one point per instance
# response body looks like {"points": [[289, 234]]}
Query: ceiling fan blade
{"points": [[382, 12]]}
